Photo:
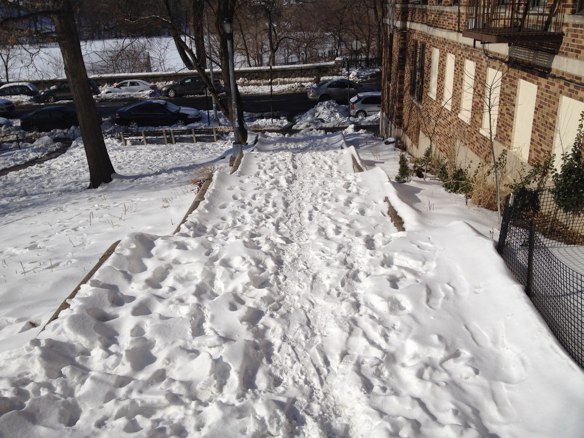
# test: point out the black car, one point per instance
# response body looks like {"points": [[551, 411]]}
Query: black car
{"points": [[49, 118], [189, 86], [156, 113], [62, 91], [19, 89], [6, 107]]}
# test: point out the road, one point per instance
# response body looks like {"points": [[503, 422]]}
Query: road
{"points": [[287, 105]]}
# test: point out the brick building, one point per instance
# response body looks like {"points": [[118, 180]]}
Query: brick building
{"points": [[460, 75]]}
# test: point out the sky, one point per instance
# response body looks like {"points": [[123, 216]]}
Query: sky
{"points": [[287, 304]]}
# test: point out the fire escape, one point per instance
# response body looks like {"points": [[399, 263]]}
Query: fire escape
{"points": [[532, 28]]}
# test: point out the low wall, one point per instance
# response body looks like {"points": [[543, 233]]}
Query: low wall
{"points": [[333, 68]]}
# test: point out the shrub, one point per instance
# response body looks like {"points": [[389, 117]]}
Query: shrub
{"points": [[443, 171], [568, 188], [527, 188], [404, 172]]}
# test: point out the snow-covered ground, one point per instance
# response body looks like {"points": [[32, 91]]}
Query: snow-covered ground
{"points": [[287, 305]]}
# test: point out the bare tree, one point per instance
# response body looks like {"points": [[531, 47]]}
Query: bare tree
{"points": [[8, 51], [273, 18], [125, 55], [62, 15], [490, 100], [198, 28], [158, 51], [251, 34], [169, 16], [100, 166]]}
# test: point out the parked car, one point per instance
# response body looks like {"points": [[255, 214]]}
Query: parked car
{"points": [[156, 113], [365, 104], [336, 89], [19, 89], [6, 107], [130, 86], [48, 118], [189, 86], [62, 91]]}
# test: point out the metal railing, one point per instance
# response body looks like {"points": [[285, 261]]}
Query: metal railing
{"points": [[515, 15], [544, 248]]}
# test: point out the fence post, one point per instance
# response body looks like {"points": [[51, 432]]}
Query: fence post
{"points": [[165, 139], [505, 223], [172, 136], [144, 137], [214, 134], [530, 250], [194, 137]]}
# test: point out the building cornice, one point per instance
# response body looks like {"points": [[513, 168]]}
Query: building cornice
{"points": [[561, 64]]}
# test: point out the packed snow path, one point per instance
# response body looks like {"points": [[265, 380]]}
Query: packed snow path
{"points": [[288, 305]]}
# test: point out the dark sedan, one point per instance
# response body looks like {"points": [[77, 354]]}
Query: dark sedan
{"points": [[49, 118], [156, 113], [191, 85], [6, 107], [62, 91]]}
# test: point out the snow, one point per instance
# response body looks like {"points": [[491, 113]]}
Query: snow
{"points": [[17, 152], [287, 304]]}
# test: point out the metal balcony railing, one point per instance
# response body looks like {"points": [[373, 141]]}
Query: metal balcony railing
{"points": [[516, 21]]}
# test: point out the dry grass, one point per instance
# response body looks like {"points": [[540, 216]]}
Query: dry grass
{"points": [[203, 174], [397, 220], [484, 194]]}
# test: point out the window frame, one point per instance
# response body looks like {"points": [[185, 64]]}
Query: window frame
{"points": [[419, 95]]}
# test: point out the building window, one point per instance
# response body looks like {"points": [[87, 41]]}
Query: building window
{"points": [[523, 121], [566, 130], [448, 81], [413, 68], [433, 89], [417, 71], [491, 102], [468, 76], [389, 58], [580, 7]]}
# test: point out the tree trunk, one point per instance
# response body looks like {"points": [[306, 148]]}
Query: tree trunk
{"points": [[98, 160], [225, 12], [272, 60], [198, 29]]}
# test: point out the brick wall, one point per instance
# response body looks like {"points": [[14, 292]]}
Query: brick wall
{"points": [[444, 127]]}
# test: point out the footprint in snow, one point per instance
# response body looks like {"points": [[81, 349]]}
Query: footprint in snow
{"points": [[503, 364], [141, 309], [140, 354], [436, 294]]}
